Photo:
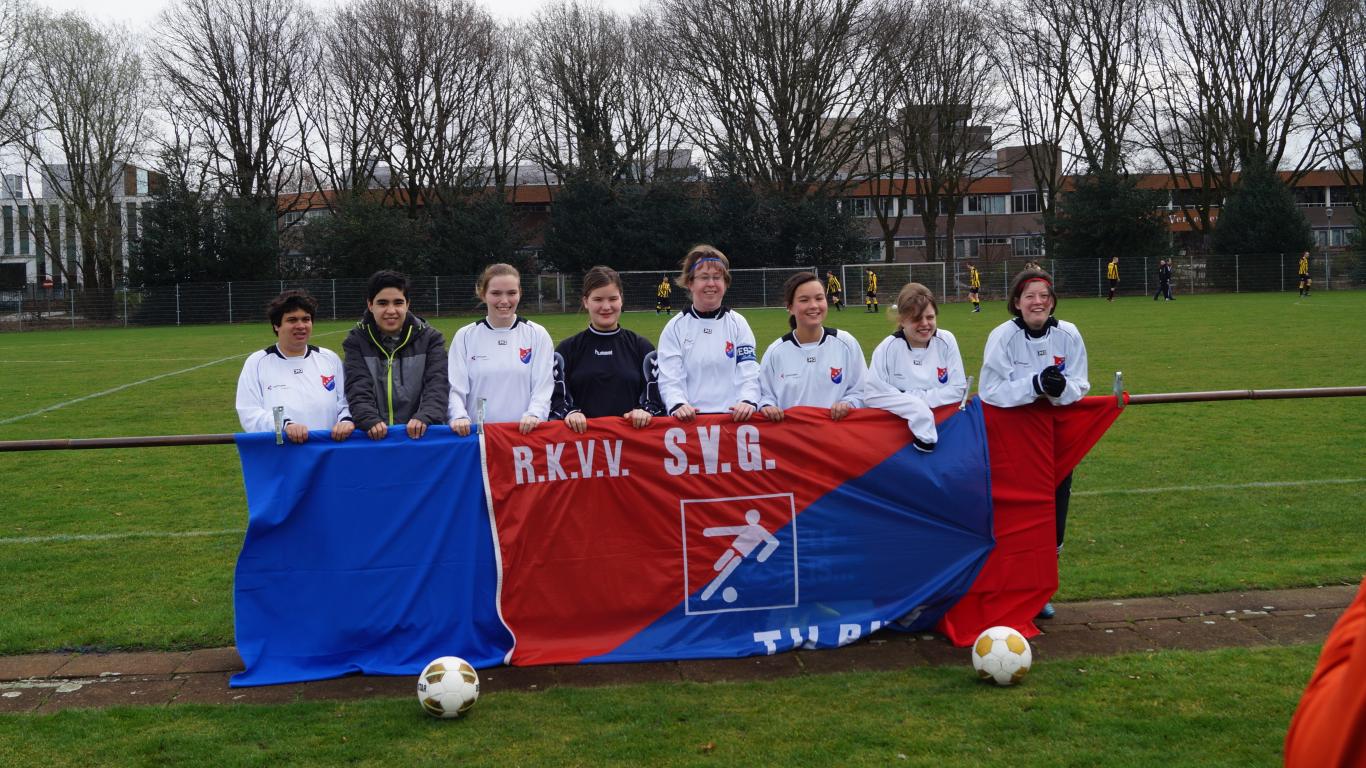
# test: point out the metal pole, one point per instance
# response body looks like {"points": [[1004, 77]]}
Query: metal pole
{"points": [[73, 310], [763, 292], [229, 302], [1237, 275], [1282, 273], [438, 295], [177, 303], [125, 306], [1246, 394], [334, 298], [227, 439]]}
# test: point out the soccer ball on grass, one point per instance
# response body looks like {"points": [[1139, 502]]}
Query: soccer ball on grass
{"points": [[1001, 655], [448, 687]]}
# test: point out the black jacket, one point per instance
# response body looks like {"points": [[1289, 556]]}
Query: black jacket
{"points": [[397, 385]]}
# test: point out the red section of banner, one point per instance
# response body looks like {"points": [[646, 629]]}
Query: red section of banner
{"points": [[1032, 449], [583, 521]]}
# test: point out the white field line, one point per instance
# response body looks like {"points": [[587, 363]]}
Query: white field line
{"points": [[122, 387], [119, 388], [1222, 487], [64, 537], [89, 360]]}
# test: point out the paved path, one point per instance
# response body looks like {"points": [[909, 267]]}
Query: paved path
{"points": [[51, 682]]}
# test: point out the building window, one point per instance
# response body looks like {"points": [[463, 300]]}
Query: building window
{"points": [[9, 231], [23, 230], [1310, 197], [907, 206], [1024, 202], [142, 181], [1029, 245], [859, 207], [986, 204]]}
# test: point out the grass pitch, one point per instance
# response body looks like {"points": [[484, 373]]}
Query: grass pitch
{"points": [[135, 549]]}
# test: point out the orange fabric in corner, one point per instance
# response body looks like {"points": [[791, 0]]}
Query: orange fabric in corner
{"points": [[1329, 727]]}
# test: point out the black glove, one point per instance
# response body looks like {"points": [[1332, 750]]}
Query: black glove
{"points": [[1051, 381]]}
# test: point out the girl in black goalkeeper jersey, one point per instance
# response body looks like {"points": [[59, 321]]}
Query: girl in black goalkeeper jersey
{"points": [[606, 370]]}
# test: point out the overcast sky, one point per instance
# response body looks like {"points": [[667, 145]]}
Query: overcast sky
{"points": [[138, 14]]}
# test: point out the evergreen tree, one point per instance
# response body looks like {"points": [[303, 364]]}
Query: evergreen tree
{"points": [[472, 233], [1107, 215], [363, 236], [585, 226], [178, 239], [1259, 217]]}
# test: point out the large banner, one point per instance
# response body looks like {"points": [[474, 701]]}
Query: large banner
{"points": [[717, 539], [702, 540], [364, 556]]}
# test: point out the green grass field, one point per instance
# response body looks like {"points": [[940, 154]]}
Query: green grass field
{"points": [[135, 549]]}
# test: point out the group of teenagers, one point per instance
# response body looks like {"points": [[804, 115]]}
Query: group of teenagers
{"points": [[399, 373]]}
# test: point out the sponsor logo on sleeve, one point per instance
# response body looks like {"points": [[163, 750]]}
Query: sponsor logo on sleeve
{"points": [[745, 353]]}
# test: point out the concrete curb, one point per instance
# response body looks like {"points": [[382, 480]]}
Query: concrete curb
{"points": [[54, 681]]}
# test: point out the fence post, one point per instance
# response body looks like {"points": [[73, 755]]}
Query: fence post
{"points": [[1327, 272], [73, 310], [564, 300], [1237, 275], [177, 303], [229, 302], [125, 306], [438, 295], [1145, 275], [1282, 273], [763, 287], [334, 298], [1100, 279]]}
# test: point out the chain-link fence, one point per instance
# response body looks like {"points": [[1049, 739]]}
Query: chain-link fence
{"points": [[344, 298]]}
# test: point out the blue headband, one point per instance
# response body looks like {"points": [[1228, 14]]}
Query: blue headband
{"points": [[702, 261]]}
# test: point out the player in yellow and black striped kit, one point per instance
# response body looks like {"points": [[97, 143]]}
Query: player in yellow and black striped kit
{"points": [[662, 301], [834, 292], [1303, 272], [974, 288], [1112, 274], [870, 301]]}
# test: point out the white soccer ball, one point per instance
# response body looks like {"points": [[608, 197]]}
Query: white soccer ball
{"points": [[448, 687], [1001, 655]]}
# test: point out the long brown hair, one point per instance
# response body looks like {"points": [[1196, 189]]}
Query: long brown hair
{"points": [[790, 293]]}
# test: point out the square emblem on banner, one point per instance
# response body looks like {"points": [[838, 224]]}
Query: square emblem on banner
{"points": [[739, 553]]}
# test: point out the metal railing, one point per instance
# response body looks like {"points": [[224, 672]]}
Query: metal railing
{"points": [[436, 296]]}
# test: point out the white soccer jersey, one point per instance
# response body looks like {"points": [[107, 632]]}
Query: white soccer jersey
{"points": [[511, 369], [819, 374], [934, 374], [1014, 356], [708, 361], [311, 388]]}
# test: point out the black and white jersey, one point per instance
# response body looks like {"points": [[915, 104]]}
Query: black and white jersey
{"points": [[1014, 355], [818, 374], [934, 374], [604, 374], [312, 389], [708, 361], [508, 368]]}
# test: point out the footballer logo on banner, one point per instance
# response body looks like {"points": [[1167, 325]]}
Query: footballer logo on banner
{"points": [[1061, 362], [836, 375], [525, 354], [730, 348], [942, 374], [329, 382], [739, 553]]}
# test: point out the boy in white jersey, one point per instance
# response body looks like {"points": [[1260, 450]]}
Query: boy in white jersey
{"points": [[504, 360], [917, 368], [706, 354], [813, 365], [1036, 356], [307, 381]]}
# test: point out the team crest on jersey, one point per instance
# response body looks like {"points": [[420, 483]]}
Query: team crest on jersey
{"points": [[942, 374], [836, 375], [1061, 362], [525, 354], [730, 349], [329, 382]]}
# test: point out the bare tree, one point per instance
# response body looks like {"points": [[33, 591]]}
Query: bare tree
{"points": [[433, 59], [1035, 71], [11, 69], [1112, 54], [946, 98], [85, 99], [1341, 107], [236, 65], [781, 93], [345, 110], [1235, 84], [505, 110]]}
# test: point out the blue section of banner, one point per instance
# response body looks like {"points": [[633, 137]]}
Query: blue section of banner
{"points": [[364, 556], [896, 546]]}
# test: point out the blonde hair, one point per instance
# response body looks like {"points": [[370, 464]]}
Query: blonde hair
{"points": [[912, 302], [492, 271], [698, 254]]}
